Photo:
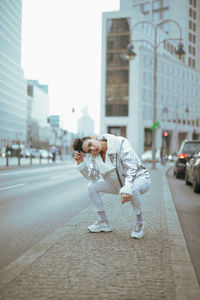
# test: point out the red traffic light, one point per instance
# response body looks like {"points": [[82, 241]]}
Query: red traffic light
{"points": [[165, 133]]}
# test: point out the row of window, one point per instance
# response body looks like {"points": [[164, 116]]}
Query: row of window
{"points": [[192, 50], [158, 4], [171, 85], [172, 116], [117, 93], [117, 42], [171, 70], [10, 49], [167, 100], [116, 109], [8, 20], [117, 76], [12, 32], [192, 13], [192, 38], [12, 8], [192, 25], [8, 64], [191, 62], [10, 91], [193, 3], [118, 25], [12, 78]]}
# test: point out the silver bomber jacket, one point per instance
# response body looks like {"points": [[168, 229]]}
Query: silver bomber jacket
{"points": [[123, 158]]}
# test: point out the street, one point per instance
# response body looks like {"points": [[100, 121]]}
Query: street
{"points": [[187, 204], [35, 202]]}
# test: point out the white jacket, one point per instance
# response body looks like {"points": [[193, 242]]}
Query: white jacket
{"points": [[122, 157]]}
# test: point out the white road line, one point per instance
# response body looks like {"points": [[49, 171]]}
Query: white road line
{"points": [[57, 176], [12, 186]]}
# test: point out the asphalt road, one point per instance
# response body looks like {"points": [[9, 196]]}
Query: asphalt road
{"points": [[34, 202], [187, 204]]}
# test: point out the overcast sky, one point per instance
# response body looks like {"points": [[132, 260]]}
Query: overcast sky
{"points": [[61, 47]]}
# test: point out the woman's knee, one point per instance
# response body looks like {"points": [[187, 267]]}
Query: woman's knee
{"points": [[91, 187]]}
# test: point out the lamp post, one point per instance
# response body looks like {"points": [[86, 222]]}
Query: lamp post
{"points": [[130, 54]]}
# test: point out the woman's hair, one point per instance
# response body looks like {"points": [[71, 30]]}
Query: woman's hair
{"points": [[77, 143]]}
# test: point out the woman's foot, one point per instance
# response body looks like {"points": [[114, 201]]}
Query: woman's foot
{"points": [[100, 226]]}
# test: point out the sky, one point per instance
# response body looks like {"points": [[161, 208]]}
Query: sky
{"points": [[61, 47]]}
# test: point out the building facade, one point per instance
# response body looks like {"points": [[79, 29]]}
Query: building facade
{"points": [[38, 129], [127, 86], [185, 12], [13, 108], [85, 124]]}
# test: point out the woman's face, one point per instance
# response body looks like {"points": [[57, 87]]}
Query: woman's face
{"points": [[92, 146]]}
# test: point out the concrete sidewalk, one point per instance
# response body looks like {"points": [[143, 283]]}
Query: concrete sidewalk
{"points": [[72, 263]]}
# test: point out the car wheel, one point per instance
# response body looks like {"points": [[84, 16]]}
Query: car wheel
{"points": [[196, 187], [186, 179]]}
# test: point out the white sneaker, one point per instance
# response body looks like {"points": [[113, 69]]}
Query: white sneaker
{"points": [[138, 232], [99, 226]]}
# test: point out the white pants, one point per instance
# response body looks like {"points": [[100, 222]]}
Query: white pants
{"points": [[140, 186]]}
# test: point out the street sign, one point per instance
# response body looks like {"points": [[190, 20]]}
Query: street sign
{"points": [[155, 125]]}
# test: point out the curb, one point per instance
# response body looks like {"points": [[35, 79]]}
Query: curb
{"points": [[184, 275]]}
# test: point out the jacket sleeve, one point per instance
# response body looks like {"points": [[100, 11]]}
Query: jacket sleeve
{"points": [[129, 163], [89, 171]]}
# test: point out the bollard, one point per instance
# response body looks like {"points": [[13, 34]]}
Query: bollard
{"points": [[31, 159], [19, 159], [7, 160]]}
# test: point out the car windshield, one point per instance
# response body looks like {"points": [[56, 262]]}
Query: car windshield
{"points": [[190, 147]]}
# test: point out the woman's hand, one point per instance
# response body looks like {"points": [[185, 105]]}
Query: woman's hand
{"points": [[78, 157], [125, 198]]}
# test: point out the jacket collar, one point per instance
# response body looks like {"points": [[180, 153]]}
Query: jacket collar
{"points": [[112, 143]]}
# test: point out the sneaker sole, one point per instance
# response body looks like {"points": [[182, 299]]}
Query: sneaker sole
{"points": [[137, 236], [100, 230]]}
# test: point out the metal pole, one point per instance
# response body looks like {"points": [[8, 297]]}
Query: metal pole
{"points": [[154, 102]]}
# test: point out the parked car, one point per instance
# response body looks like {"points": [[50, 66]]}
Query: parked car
{"points": [[45, 154], [192, 171], [185, 152], [34, 153], [147, 156], [25, 153]]}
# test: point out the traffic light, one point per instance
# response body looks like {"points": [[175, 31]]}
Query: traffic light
{"points": [[165, 133]]}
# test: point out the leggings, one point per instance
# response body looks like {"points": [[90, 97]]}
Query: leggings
{"points": [[140, 186]]}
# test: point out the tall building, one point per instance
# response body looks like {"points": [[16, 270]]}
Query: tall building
{"points": [[127, 90], [38, 129], [85, 124], [185, 12], [13, 107]]}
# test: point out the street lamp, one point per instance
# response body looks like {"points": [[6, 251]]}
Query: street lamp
{"points": [[130, 54]]}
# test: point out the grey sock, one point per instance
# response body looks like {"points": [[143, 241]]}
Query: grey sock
{"points": [[139, 218], [103, 216]]}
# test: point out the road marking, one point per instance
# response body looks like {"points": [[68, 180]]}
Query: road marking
{"points": [[12, 186], [58, 176]]}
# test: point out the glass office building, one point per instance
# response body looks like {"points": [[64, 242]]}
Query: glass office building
{"points": [[13, 105]]}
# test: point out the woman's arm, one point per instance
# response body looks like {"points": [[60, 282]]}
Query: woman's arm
{"points": [[129, 161], [90, 171]]}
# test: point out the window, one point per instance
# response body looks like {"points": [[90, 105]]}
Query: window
{"points": [[116, 130], [156, 16], [190, 24], [156, 4]]}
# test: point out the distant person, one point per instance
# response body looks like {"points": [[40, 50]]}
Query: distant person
{"points": [[53, 152], [114, 168]]}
